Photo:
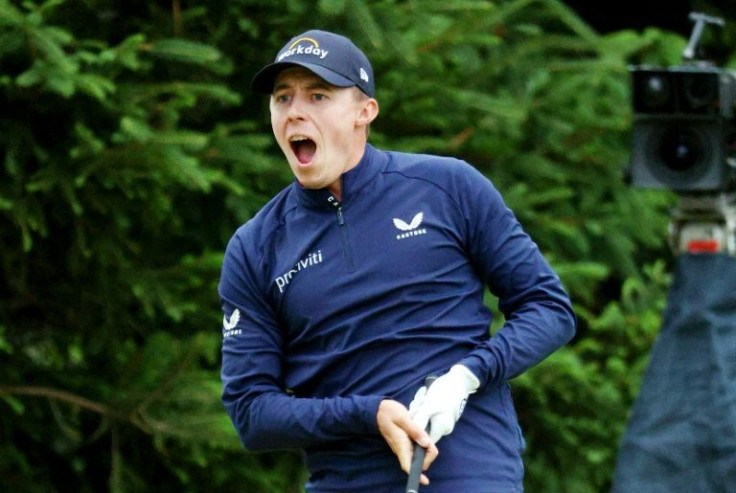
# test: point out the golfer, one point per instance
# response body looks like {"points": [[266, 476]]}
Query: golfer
{"points": [[363, 277]]}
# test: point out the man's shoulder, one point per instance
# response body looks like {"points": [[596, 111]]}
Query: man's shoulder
{"points": [[408, 160], [268, 219], [445, 172], [426, 166]]}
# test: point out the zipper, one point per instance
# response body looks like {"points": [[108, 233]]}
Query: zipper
{"points": [[346, 249]]}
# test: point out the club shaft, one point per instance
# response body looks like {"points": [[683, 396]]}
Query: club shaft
{"points": [[417, 458], [412, 484]]}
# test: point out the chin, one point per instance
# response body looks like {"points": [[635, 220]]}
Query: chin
{"points": [[307, 182]]}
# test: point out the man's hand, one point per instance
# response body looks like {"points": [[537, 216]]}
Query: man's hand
{"points": [[400, 432], [442, 404]]}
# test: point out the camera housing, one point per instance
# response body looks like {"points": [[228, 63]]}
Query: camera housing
{"points": [[683, 132]]}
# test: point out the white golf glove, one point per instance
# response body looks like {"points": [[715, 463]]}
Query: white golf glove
{"points": [[442, 404]]}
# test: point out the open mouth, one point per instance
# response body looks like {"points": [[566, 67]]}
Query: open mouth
{"points": [[304, 148]]}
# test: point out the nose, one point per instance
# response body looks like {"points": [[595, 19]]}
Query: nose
{"points": [[296, 108]]}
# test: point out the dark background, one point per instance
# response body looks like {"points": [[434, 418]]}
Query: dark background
{"points": [[613, 16], [671, 15]]}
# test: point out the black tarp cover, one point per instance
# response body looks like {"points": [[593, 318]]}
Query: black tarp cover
{"points": [[681, 435]]}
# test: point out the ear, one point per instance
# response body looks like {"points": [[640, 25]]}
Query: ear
{"points": [[368, 112]]}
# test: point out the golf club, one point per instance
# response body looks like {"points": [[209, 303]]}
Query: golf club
{"points": [[412, 484]]}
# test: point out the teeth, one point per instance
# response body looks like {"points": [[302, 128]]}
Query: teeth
{"points": [[298, 138]]}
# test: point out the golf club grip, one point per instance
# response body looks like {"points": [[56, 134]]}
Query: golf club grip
{"points": [[412, 484], [417, 458]]}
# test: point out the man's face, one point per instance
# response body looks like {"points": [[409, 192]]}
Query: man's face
{"points": [[319, 127]]}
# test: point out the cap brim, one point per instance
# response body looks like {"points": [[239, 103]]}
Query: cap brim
{"points": [[264, 79]]}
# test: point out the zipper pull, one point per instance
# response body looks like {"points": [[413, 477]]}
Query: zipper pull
{"points": [[338, 207]]}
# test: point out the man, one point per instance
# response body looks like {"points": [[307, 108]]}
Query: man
{"points": [[365, 276]]}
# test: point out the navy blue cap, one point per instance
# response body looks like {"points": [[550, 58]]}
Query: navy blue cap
{"points": [[331, 56]]}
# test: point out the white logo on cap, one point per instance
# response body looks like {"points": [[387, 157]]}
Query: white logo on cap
{"points": [[363, 74], [297, 48]]}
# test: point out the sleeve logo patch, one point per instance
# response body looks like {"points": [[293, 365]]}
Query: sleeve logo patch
{"points": [[228, 325]]}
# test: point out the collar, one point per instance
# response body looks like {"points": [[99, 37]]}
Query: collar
{"points": [[372, 162]]}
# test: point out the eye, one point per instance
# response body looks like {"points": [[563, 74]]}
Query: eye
{"points": [[281, 98], [319, 96]]}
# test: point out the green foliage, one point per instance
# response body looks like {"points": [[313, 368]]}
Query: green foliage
{"points": [[110, 259], [132, 148], [586, 390]]}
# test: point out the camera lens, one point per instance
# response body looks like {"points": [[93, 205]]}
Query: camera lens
{"points": [[656, 91], [680, 149], [700, 92], [653, 92]]}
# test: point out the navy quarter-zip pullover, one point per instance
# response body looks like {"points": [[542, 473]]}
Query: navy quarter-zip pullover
{"points": [[331, 306]]}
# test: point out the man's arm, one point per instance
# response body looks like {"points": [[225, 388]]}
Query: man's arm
{"points": [[264, 413], [538, 314]]}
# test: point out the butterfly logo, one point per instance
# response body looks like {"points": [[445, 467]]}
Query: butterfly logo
{"points": [[234, 319], [414, 224]]}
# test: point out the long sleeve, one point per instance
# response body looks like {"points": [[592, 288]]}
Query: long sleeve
{"points": [[264, 412], [538, 314]]}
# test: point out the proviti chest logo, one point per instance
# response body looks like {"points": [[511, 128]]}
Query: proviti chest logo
{"points": [[309, 261], [412, 228]]}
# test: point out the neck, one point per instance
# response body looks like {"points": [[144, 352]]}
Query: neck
{"points": [[336, 188]]}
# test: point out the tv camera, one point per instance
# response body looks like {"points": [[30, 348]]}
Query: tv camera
{"points": [[684, 139]]}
